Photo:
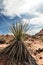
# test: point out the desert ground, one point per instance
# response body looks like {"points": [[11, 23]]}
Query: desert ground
{"points": [[34, 46]]}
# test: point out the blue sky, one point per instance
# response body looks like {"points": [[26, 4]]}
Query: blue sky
{"points": [[29, 11]]}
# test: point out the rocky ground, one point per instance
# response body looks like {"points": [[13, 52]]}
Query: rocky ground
{"points": [[34, 47]]}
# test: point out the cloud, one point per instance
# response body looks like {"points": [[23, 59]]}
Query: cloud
{"points": [[28, 16], [38, 20], [35, 25], [34, 31], [1, 6], [12, 7], [40, 8]]}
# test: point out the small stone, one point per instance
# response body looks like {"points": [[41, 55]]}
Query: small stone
{"points": [[40, 58]]}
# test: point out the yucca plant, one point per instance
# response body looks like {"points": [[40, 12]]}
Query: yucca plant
{"points": [[17, 52], [19, 30]]}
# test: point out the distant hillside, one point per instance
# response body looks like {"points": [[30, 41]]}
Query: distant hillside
{"points": [[40, 34]]}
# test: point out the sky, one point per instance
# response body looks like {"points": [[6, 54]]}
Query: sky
{"points": [[27, 10]]}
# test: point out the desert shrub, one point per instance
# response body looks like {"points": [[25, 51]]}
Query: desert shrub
{"points": [[2, 40], [19, 30], [33, 36], [42, 38]]}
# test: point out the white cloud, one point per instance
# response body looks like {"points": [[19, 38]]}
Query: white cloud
{"points": [[19, 6], [37, 20], [34, 31], [37, 24]]}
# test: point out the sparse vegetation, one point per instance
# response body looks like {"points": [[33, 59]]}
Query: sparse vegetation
{"points": [[33, 37], [19, 30], [17, 52], [2, 40], [42, 38]]}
